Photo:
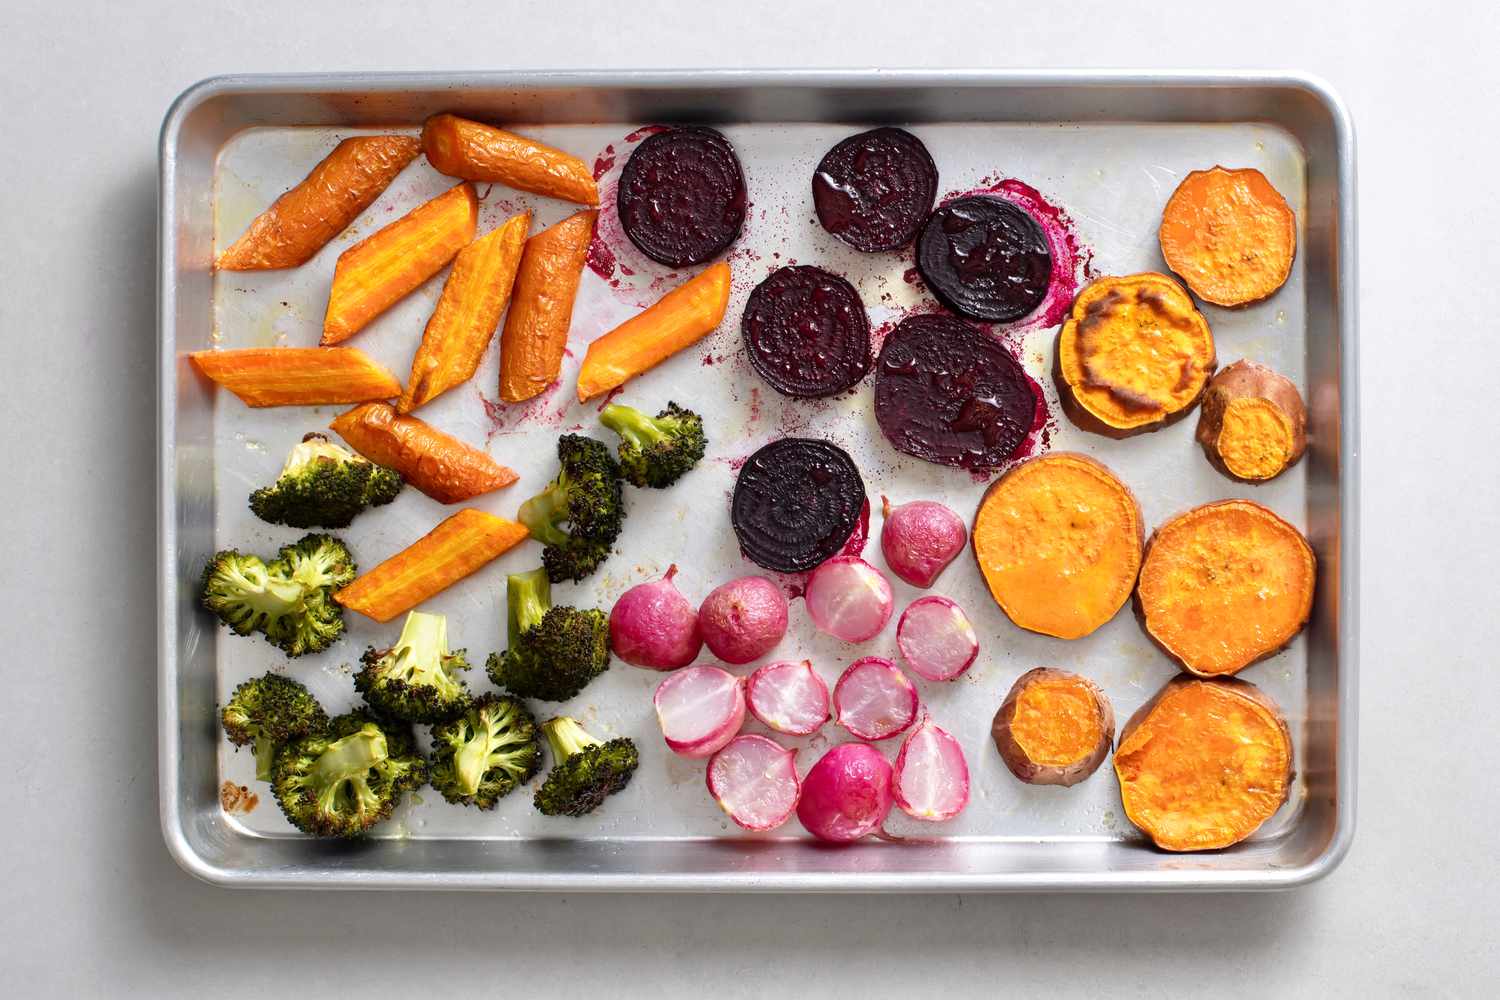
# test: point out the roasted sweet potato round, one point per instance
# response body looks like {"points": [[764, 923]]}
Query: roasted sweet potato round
{"points": [[1229, 234], [1225, 585], [1204, 763], [1054, 727], [1253, 423]]}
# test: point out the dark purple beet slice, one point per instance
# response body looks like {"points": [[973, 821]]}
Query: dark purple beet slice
{"points": [[874, 189], [796, 503], [682, 196], [807, 332], [951, 394], [985, 258]]}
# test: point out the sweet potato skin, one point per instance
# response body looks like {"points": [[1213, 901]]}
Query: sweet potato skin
{"points": [[541, 307], [1248, 380], [297, 376], [1015, 755], [441, 466], [474, 151]]}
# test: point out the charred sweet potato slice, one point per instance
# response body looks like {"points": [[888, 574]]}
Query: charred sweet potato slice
{"points": [[1253, 423], [441, 466], [1229, 234], [541, 306], [297, 376], [474, 151], [1054, 727]]}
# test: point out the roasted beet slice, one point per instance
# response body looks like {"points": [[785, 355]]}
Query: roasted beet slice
{"points": [[682, 196], [874, 189], [985, 258], [951, 394], [796, 503], [807, 332]]}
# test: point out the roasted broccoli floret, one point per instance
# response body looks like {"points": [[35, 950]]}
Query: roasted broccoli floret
{"points": [[323, 485], [268, 711], [341, 782], [318, 561], [656, 451], [485, 754], [585, 771], [416, 679], [552, 652], [289, 600], [587, 497]]}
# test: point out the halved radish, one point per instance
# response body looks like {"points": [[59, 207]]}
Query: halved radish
{"points": [[788, 697], [849, 599], [932, 777], [936, 639], [874, 700], [699, 709], [754, 780]]}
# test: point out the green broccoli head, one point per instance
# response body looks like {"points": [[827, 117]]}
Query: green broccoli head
{"points": [[585, 771], [485, 754], [320, 562], [416, 679], [656, 451], [341, 782], [553, 652], [587, 497], [323, 485], [289, 601], [268, 711]]}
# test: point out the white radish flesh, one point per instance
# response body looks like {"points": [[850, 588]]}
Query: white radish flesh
{"points": [[754, 780], [699, 710], [874, 700], [932, 777], [849, 599], [936, 639], [788, 697]]}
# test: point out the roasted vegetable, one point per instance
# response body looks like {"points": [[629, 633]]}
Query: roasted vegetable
{"points": [[587, 497], [474, 151], [1253, 424], [288, 600], [486, 753], [681, 198], [1054, 727], [541, 307], [656, 451], [417, 679], [269, 711], [552, 651], [324, 486], [297, 376], [438, 464], [585, 771], [1229, 234], [342, 782]]}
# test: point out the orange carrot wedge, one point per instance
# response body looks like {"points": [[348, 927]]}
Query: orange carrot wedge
{"points": [[464, 321], [442, 557], [459, 147], [301, 221], [679, 319], [541, 307], [297, 376], [384, 267], [441, 466]]}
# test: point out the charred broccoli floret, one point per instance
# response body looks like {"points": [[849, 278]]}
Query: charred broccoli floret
{"points": [[318, 561], [341, 782], [553, 651], [656, 451], [323, 485], [269, 711], [485, 754], [587, 497], [585, 771], [289, 600], [415, 680]]}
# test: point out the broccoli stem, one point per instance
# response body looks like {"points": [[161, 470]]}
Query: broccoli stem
{"points": [[540, 514], [632, 425], [345, 766], [424, 640], [527, 598], [265, 757], [566, 737], [311, 448]]}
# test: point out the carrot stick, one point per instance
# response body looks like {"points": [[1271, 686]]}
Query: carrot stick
{"points": [[297, 376], [386, 266], [459, 147], [541, 307], [446, 554], [301, 221], [441, 466], [679, 319]]}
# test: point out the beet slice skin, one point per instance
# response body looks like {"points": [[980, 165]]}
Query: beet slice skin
{"points": [[807, 332], [873, 190], [948, 393], [985, 258], [682, 196], [795, 504]]}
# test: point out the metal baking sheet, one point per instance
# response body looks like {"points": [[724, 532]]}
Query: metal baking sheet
{"points": [[1105, 151]]}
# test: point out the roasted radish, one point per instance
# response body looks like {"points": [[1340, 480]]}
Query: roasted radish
{"points": [[847, 794], [788, 697], [936, 639], [754, 780], [849, 599], [699, 709], [874, 700], [931, 779], [743, 619], [652, 625], [919, 540]]}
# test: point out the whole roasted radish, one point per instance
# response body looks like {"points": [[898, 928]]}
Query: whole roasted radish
{"points": [[847, 794], [652, 625], [744, 619]]}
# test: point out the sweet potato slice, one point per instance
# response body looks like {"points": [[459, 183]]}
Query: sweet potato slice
{"points": [[1058, 542], [446, 554], [1133, 355], [1253, 423], [386, 266], [441, 466], [541, 307], [474, 151], [679, 319], [1229, 234], [1204, 763], [464, 320], [297, 376], [1054, 727], [1224, 585], [304, 219]]}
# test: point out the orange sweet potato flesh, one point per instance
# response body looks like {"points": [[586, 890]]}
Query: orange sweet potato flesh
{"points": [[679, 319], [1229, 234], [304, 219], [1225, 585], [464, 320], [474, 151], [1252, 424], [541, 307], [1058, 542], [1204, 763], [441, 466], [446, 554], [297, 376], [1054, 727], [386, 266]]}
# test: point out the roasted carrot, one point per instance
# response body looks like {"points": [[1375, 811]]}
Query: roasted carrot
{"points": [[459, 147], [541, 307], [439, 465], [297, 376], [301, 221], [385, 267], [446, 554], [464, 321], [679, 319]]}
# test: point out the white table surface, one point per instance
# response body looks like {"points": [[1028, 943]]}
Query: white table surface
{"points": [[93, 905]]}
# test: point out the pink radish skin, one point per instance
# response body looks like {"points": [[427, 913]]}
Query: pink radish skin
{"points": [[754, 780], [699, 709], [653, 626], [874, 700], [847, 794], [936, 639], [849, 599], [919, 540], [743, 619], [788, 697], [931, 780]]}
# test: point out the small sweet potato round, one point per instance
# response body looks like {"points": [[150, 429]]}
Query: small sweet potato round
{"points": [[1229, 234], [1253, 424], [1054, 727]]}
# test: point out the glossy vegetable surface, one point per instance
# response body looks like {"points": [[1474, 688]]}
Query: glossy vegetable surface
{"points": [[297, 376], [474, 151], [541, 307], [438, 464]]}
